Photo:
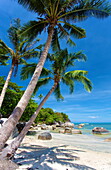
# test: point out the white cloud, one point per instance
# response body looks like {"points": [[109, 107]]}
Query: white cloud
{"points": [[95, 94], [93, 117]]}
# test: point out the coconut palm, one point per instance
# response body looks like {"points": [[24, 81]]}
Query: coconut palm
{"points": [[59, 74], [22, 49], [40, 96], [61, 61], [56, 17]]}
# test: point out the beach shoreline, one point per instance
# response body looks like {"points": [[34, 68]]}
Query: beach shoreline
{"points": [[63, 152]]}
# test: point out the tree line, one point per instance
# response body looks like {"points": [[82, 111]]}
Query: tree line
{"points": [[13, 95]]}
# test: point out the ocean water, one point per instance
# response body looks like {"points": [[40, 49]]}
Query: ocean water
{"points": [[87, 129]]}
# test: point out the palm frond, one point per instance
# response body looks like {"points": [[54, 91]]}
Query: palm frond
{"points": [[55, 41], [57, 93], [75, 73], [33, 28], [45, 72], [5, 48], [79, 75], [13, 33], [3, 57], [42, 82], [87, 83], [39, 47], [22, 61], [27, 71], [79, 56], [59, 58], [69, 82], [75, 31], [63, 32], [72, 57], [84, 9], [29, 45], [3, 62], [30, 54], [70, 42], [37, 6], [21, 45], [67, 5]]}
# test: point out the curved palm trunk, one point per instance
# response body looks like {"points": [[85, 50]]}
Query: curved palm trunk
{"points": [[10, 150], [10, 124], [6, 85]]}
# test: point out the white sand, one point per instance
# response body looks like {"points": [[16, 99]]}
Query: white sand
{"points": [[65, 152]]}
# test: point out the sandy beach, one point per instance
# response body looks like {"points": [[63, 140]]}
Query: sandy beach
{"points": [[64, 152]]}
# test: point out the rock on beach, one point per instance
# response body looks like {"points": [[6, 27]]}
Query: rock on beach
{"points": [[45, 136]]}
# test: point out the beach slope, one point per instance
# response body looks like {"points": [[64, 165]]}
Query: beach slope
{"points": [[64, 152]]}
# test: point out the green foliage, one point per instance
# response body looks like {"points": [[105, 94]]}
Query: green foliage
{"points": [[48, 116], [29, 111], [61, 61], [62, 16], [13, 95], [23, 48], [3, 57], [40, 96]]}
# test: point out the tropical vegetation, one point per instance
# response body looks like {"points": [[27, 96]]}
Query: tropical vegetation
{"points": [[22, 49], [56, 17], [13, 95], [61, 61]]}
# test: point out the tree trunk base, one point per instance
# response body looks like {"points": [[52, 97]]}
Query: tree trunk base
{"points": [[7, 153], [8, 165]]}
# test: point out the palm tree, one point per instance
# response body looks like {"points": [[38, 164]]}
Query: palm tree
{"points": [[40, 96], [61, 61], [56, 17], [58, 74], [22, 50]]}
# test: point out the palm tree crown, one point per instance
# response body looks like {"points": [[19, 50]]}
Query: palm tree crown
{"points": [[22, 47], [61, 62], [62, 16]]}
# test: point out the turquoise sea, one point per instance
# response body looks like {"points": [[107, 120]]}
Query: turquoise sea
{"points": [[87, 129]]}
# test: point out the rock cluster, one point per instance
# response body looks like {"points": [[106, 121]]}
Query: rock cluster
{"points": [[66, 127], [99, 130], [80, 125]]}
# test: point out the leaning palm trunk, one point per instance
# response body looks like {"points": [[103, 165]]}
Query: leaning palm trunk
{"points": [[6, 85], [10, 124], [10, 150]]}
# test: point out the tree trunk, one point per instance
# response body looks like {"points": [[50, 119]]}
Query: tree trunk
{"points": [[10, 150], [10, 124], [6, 85]]}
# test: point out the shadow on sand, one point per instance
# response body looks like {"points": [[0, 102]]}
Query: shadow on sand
{"points": [[42, 158]]}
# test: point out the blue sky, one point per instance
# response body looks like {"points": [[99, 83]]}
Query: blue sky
{"points": [[80, 106]]}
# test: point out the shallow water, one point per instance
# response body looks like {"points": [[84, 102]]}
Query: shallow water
{"points": [[87, 129], [90, 142]]}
